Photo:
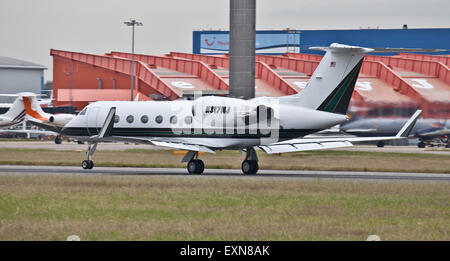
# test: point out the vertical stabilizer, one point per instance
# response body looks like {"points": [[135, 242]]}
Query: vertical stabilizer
{"points": [[16, 112], [332, 83], [33, 108]]}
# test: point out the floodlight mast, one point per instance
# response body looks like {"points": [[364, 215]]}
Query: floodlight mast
{"points": [[132, 23]]}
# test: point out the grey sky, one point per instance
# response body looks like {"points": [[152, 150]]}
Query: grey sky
{"points": [[29, 28]]}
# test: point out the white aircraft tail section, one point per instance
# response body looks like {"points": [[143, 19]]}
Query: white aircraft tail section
{"points": [[33, 109], [332, 83], [16, 112]]}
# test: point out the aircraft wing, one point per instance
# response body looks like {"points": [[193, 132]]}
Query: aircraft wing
{"points": [[305, 144], [160, 143], [45, 126]]}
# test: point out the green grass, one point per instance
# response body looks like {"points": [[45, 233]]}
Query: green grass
{"points": [[205, 208], [314, 160]]}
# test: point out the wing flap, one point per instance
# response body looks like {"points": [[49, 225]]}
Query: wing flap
{"points": [[167, 144], [282, 148]]}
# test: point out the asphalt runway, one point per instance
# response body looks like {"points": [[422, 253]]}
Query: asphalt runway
{"points": [[223, 173]]}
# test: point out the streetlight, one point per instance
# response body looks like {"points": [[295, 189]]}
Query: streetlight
{"points": [[132, 23]]}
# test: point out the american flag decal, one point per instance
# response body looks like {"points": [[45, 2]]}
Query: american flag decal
{"points": [[333, 64]]}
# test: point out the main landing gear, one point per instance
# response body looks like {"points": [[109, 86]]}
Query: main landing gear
{"points": [[250, 164], [89, 164], [58, 139], [195, 165]]}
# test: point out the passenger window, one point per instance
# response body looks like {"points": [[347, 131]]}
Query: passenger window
{"points": [[188, 120], [130, 118], [173, 119], [159, 119], [116, 118], [144, 118]]}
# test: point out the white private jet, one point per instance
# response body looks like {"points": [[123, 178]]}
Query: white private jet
{"points": [[15, 113], [273, 124]]}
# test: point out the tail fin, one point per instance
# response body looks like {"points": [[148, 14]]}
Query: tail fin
{"points": [[33, 109], [16, 112], [332, 83]]}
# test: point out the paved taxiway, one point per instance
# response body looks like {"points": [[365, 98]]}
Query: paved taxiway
{"points": [[230, 173]]}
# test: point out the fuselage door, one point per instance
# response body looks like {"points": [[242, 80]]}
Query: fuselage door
{"points": [[93, 126]]}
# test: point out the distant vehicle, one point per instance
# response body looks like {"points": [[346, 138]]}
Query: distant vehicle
{"points": [[273, 124], [425, 129]]}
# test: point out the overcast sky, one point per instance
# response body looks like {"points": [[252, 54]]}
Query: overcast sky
{"points": [[30, 28]]}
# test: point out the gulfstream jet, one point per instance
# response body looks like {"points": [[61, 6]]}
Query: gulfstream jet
{"points": [[208, 124]]}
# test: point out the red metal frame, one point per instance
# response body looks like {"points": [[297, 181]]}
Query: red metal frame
{"points": [[120, 65], [305, 56], [423, 57], [267, 74], [430, 68], [191, 67]]}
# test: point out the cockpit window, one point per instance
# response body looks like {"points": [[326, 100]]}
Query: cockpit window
{"points": [[83, 112]]}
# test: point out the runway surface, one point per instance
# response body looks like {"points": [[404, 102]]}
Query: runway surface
{"points": [[225, 173]]}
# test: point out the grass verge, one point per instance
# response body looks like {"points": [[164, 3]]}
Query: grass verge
{"points": [[181, 208]]}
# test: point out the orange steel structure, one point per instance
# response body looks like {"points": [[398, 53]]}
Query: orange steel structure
{"points": [[386, 84]]}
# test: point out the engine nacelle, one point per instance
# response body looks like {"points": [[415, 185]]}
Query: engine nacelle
{"points": [[60, 120], [223, 111]]}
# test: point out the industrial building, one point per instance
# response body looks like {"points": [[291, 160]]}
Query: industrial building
{"points": [[387, 85], [19, 76], [299, 41]]}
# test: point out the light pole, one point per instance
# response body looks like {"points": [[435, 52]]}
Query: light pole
{"points": [[132, 23]]}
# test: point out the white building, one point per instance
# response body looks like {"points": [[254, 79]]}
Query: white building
{"points": [[19, 76]]}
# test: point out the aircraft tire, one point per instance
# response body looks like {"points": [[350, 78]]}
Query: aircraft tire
{"points": [[380, 144], [249, 167], [85, 164], [421, 144], [91, 164], [195, 166], [58, 140], [200, 166]]}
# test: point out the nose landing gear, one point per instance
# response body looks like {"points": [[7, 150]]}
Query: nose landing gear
{"points": [[89, 164]]}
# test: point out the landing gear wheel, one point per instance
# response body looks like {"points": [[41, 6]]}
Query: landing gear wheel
{"points": [[250, 167], [87, 164], [421, 144], [58, 140], [380, 144], [195, 166]]}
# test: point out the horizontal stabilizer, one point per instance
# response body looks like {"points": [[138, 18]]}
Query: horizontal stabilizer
{"points": [[305, 144], [409, 125], [335, 47]]}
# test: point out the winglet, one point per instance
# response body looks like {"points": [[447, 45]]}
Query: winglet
{"points": [[109, 124], [409, 125]]}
